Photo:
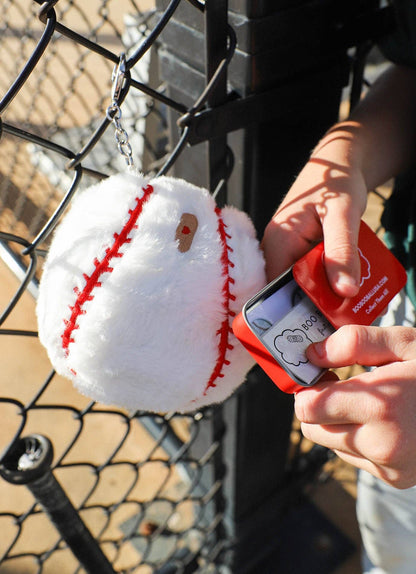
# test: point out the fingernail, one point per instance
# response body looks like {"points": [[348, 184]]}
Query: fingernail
{"points": [[317, 349], [347, 285]]}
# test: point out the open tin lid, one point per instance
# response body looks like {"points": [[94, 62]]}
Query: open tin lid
{"points": [[382, 277]]}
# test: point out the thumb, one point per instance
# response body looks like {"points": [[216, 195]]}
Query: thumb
{"points": [[342, 260], [370, 346]]}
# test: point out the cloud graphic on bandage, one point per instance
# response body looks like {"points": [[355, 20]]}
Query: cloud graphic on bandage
{"points": [[292, 344]]}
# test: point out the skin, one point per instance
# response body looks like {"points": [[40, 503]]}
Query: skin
{"points": [[370, 419]]}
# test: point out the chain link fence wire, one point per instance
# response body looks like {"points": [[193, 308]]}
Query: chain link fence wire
{"points": [[105, 491]]}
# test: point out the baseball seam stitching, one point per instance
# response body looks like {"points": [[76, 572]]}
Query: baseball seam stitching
{"points": [[94, 280], [225, 329]]}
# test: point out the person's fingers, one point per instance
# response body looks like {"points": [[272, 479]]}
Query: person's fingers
{"points": [[360, 445], [356, 439], [341, 204], [332, 403], [398, 478], [282, 246], [370, 346], [385, 393], [296, 226], [326, 202], [340, 437], [342, 260]]}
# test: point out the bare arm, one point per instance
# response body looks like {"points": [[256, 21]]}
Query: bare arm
{"points": [[370, 419], [329, 196]]}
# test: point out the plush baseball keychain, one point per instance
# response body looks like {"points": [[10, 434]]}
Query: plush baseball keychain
{"points": [[140, 287], [138, 293]]}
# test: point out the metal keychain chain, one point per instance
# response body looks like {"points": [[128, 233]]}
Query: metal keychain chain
{"points": [[113, 112]]}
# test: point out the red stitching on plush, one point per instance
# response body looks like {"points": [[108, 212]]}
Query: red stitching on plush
{"points": [[225, 329], [101, 267]]}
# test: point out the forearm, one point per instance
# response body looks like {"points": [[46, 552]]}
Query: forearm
{"points": [[379, 138], [329, 196]]}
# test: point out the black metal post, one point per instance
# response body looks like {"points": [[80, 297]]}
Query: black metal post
{"points": [[302, 47], [29, 462], [284, 52], [216, 19]]}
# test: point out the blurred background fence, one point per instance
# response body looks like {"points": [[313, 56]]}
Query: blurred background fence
{"points": [[231, 96]]}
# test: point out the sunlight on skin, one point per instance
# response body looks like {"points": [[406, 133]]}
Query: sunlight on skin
{"points": [[327, 201]]}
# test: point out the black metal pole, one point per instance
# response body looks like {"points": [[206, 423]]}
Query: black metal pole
{"points": [[273, 152], [29, 462], [216, 19]]}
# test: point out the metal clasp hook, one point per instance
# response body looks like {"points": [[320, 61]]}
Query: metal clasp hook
{"points": [[118, 77]]}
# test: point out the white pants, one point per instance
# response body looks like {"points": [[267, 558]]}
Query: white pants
{"points": [[386, 515], [387, 518]]}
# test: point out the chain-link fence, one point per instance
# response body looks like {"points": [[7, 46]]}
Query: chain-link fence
{"points": [[230, 96]]}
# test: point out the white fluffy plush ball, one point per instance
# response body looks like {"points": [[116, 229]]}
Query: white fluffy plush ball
{"points": [[138, 292]]}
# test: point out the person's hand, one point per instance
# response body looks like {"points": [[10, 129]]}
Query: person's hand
{"points": [[369, 420], [329, 196], [326, 202]]}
